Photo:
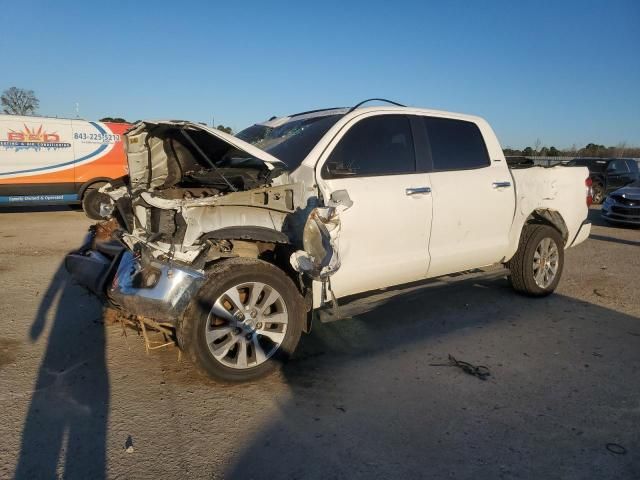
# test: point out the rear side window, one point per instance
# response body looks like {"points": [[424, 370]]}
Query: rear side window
{"points": [[456, 144], [381, 145], [618, 166]]}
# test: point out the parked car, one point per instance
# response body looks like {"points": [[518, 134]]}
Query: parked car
{"points": [[46, 160], [623, 205], [608, 174], [239, 247]]}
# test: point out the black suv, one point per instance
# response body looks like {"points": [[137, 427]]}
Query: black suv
{"points": [[608, 174]]}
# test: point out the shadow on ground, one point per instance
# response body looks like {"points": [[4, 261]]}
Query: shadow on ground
{"points": [[365, 402], [64, 434]]}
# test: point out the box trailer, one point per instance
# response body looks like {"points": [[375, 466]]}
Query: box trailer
{"points": [[47, 160]]}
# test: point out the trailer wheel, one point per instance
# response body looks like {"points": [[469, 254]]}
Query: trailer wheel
{"points": [[91, 200]]}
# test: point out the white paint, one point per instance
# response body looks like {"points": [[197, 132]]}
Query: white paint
{"points": [[389, 238]]}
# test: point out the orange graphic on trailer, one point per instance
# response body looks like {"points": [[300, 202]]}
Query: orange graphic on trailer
{"points": [[32, 138], [41, 156]]}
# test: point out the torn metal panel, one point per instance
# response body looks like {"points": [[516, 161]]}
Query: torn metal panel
{"points": [[284, 198], [201, 220], [319, 258]]}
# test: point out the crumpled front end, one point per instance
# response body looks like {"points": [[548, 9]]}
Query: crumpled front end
{"points": [[193, 200], [133, 281]]}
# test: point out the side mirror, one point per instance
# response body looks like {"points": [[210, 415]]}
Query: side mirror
{"points": [[340, 197]]}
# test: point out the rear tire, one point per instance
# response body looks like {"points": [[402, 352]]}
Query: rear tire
{"points": [[598, 193], [91, 200], [227, 331], [536, 267]]}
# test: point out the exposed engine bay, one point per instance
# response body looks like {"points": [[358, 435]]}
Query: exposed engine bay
{"points": [[195, 195], [187, 188]]}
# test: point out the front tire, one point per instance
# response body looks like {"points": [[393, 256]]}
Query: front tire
{"points": [[536, 267], [244, 322]]}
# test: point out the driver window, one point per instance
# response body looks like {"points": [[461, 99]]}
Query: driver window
{"points": [[375, 146], [618, 166]]}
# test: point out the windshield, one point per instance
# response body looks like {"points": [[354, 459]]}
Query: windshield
{"points": [[292, 141], [254, 133]]}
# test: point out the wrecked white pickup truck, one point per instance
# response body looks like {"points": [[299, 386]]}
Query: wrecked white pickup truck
{"points": [[238, 245]]}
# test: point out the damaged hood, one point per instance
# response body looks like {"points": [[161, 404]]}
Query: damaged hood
{"points": [[142, 158]]}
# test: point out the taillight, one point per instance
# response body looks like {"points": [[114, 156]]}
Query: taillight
{"points": [[589, 184]]}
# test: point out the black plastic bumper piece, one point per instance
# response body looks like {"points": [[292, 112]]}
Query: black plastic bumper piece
{"points": [[90, 269]]}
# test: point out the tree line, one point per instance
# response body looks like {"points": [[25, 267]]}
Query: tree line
{"points": [[18, 101], [590, 150]]}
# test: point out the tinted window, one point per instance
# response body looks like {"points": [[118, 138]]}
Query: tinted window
{"points": [[456, 144], [618, 166], [632, 165], [381, 145], [292, 143]]}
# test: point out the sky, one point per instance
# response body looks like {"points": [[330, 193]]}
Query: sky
{"points": [[564, 72]]}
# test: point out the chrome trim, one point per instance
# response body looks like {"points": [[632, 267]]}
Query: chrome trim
{"points": [[417, 190], [172, 289]]}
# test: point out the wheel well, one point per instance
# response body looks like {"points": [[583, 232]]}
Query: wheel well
{"points": [[93, 181], [551, 218], [277, 254]]}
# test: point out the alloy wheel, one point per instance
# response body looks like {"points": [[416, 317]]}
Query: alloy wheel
{"points": [[545, 262], [246, 325]]}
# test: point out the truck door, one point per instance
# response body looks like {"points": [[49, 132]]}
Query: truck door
{"points": [[384, 235], [36, 161], [473, 198]]}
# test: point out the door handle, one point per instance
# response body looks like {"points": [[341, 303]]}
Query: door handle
{"points": [[501, 184], [416, 190]]}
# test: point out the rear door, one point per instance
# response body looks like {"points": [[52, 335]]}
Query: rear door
{"points": [[473, 198], [384, 235]]}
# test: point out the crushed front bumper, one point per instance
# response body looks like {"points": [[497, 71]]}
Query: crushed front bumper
{"points": [[157, 290], [151, 288]]}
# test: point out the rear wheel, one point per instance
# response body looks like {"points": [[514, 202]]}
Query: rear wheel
{"points": [[598, 193], [245, 321], [91, 200], [536, 267]]}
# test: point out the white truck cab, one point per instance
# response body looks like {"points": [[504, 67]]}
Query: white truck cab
{"points": [[237, 244]]}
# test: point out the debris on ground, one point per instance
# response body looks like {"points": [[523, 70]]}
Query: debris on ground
{"points": [[128, 445], [143, 326], [479, 371], [616, 448]]}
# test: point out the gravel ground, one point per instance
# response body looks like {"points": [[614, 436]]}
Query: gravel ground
{"points": [[360, 400]]}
